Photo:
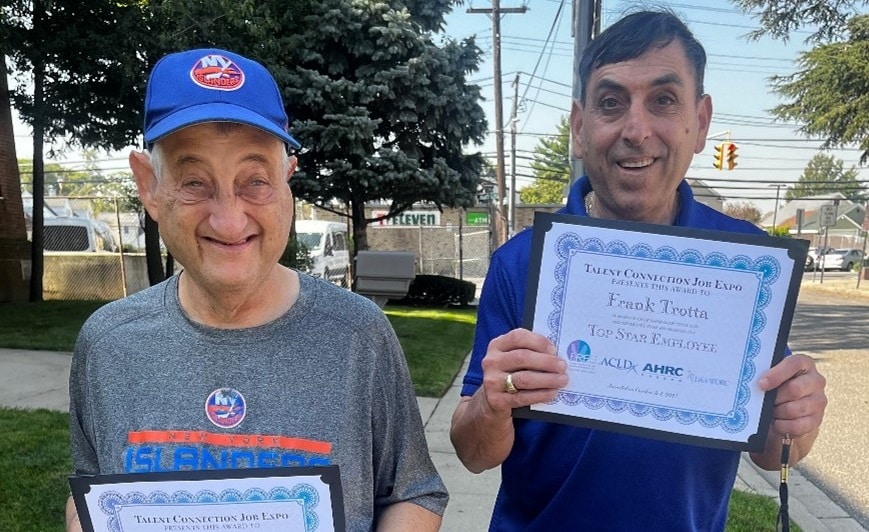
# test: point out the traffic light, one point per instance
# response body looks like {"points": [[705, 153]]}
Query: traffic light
{"points": [[725, 156], [720, 159], [731, 155]]}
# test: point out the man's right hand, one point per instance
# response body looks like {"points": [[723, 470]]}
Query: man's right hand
{"points": [[482, 427]]}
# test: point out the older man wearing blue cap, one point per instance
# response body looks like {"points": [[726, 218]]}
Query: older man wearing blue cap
{"points": [[314, 374]]}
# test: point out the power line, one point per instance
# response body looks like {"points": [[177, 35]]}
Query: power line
{"points": [[552, 29]]}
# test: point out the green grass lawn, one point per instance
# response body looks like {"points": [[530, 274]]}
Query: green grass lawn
{"points": [[50, 325], [750, 512], [34, 466], [435, 343], [34, 448]]}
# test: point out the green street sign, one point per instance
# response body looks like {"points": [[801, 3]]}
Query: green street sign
{"points": [[477, 218]]}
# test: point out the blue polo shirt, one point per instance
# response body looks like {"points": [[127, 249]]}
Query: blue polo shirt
{"points": [[560, 477]]}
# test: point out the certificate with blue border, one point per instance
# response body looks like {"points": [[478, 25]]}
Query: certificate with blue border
{"points": [[287, 499], [665, 330]]}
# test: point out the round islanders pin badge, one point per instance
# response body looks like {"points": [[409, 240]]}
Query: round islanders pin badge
{"points": [[225, 408]]}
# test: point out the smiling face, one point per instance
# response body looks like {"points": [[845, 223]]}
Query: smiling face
{"points": [[638, 130], [223, 204]]}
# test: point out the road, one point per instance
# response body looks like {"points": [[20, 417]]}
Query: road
{"points": [[835, 331]]}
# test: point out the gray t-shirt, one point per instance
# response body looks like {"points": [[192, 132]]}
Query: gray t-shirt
{"points": [[326, 383]]}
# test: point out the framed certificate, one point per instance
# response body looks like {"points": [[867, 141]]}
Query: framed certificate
{"points": [[296, 499], [665, 330]]}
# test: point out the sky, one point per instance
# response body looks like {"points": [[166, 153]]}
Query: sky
{"points": [[540, 42], [538, 46]]}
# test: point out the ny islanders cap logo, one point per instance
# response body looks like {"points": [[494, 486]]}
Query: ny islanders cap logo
{"points": [[225, 408], [215, 71]]}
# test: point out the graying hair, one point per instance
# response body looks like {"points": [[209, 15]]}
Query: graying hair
{"points": [[158, 161]]}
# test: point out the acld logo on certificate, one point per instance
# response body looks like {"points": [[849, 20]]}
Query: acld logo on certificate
{"points": [[665, 330]]}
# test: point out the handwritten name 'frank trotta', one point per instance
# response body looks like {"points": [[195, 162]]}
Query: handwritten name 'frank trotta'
{"points": [[662, 306]]}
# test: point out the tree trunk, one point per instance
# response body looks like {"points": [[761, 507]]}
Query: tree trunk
{"points": [[360, 235], [37, 239], [156, 273]]}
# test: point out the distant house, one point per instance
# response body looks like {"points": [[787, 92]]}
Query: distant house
{"points": [[706, 195], [802, 216], [131, 235]]}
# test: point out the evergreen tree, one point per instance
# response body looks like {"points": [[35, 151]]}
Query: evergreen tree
{"points": [[382, 110], [829, 93]]}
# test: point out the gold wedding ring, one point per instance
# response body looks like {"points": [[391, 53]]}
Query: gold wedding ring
{"points": [[508, 384]]}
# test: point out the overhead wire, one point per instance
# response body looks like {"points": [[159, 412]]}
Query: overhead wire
{"points": [[552, 29]]}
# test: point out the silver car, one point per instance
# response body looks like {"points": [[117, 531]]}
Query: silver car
{"points": [[840, 259], [812, 257]]}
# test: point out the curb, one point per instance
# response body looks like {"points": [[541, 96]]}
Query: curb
{"points": [[809, 507]]}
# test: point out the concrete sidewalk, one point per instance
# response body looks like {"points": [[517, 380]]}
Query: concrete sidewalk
{"points": [[39, 379]]}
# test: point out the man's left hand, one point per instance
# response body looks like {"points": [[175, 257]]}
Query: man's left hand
{"points": [[800, 400], [799, 408]]}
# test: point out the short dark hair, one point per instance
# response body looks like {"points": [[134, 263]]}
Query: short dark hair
{"points": [[634, 35]]}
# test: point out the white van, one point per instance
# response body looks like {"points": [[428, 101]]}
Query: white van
{"points": [[327, 246], [67, 233]]}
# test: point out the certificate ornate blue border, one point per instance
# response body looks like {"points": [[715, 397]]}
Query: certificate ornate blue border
{"points": [[765, 267], [305, 494]]}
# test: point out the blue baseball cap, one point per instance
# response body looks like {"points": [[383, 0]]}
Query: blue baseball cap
{"points": [[212, 85]]}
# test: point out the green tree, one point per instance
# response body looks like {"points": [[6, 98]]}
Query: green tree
{"points": [[744, 210], [90, 181], [76, 80], [53, 174], [551, 168], [779, 18], [829, 94], [379, 100], [383, 111], [825, 174]]}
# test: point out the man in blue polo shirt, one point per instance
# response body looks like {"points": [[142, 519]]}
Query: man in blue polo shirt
{"points": [[641, 117]]}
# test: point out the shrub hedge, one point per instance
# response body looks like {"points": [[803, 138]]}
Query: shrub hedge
{"points": [[438, 291]]}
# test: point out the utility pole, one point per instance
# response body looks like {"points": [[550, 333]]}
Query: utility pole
{"points": [[586, 24], [778, 187], [513, 120], [501, 213]]}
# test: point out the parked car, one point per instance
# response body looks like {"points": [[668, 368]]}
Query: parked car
{"points": [[814, 254], [69, 233], [327, 246], [840, 259]]}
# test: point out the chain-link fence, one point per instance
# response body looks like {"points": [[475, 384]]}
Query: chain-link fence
{"points": [[91, 249], [452, 251]]}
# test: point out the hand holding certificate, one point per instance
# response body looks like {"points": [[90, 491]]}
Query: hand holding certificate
{"points": [[665, 330]]}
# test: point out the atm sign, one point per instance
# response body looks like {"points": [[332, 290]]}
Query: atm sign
{"points": [[477, 218]]}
